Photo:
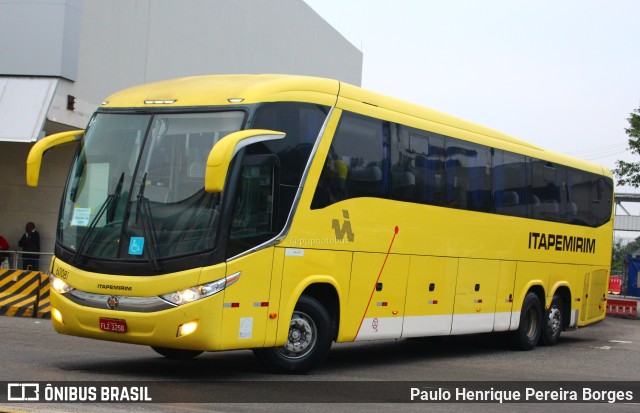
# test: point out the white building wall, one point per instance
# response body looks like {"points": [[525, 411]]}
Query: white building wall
{"points": [[40, 37], [128, 42], [125, 43]]}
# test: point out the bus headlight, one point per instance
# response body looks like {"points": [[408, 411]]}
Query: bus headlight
{"points": [[59, 285], [198, 292]]}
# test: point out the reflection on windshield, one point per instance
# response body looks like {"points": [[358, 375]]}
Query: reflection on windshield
{"points": [[109, 206], [135, 191]]}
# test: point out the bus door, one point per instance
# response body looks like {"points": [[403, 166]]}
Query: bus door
{"points": [[430, 296], [475, 301], [594, 293], [253, 222], [504, 296], [378, 306]]}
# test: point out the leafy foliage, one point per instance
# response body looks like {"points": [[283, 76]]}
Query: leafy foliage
{"points": [[628, 173], [620, 252]]}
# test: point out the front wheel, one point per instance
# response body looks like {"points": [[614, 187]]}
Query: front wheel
{"points": [[527, 335], [308, 343], [552, 322]]}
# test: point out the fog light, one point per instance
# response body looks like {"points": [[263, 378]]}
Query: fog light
{"points": [[186, 329], [57, 315]]}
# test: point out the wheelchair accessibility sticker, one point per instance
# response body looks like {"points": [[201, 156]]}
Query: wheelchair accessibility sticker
{"points": [[136, 245]]}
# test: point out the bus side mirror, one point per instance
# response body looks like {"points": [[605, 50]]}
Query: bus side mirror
{"points": [[223, 151], [34, 160]]}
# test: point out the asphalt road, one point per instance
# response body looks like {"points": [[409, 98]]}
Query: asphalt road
{"points": [[30, 351]]}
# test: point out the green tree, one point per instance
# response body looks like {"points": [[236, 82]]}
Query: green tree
{"points": [[620, 252], [628, 173]]}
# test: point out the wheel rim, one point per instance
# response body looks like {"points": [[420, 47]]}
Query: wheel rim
{"points": [[532, 323], [554, 321], [302, 337]]}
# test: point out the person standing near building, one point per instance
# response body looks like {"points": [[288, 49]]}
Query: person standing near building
{"points": [[4, 246], [30, 242]]}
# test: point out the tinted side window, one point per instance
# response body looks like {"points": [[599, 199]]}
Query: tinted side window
{"points": [[509, 183], [254, 217], [373, 158], [468, 175], [302, 123], [581, 191], [588, 198], [358, 162], [603, 202], [418, 173], [548, 180]]}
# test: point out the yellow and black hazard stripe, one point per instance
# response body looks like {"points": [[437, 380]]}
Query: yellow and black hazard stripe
{"points": [[20, 293], [44, 309]]}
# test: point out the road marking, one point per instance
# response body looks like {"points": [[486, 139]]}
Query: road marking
{"points": [[604, 348], [620, 341]]}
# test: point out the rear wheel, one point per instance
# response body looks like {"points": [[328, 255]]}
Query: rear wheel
{"points": [[308, 343], [527, 335], [177, 354], [552, 322]]}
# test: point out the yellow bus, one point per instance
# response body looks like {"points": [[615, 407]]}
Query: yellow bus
{"points": [[284, 213]]}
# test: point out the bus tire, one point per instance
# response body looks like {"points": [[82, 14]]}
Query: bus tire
{"points": [[527, 335], [308, 343], [176, 353], [552, 322]]}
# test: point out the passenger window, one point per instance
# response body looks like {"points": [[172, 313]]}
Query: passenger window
{"points": [[509, 183], [588, 198], [548, 180], [358, 162], [468, 176], [581, 193], [417, 171], [302, 123], [602, 204], [373, 158]]}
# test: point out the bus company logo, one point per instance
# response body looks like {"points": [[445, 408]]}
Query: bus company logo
{"points": [[23, 392], [560, 242], [115, 287], [344, 229], [113, 302]]}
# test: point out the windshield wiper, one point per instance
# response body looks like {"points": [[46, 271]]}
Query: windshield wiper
{"points": [[143, 211], [108, 204], [116, 197]]}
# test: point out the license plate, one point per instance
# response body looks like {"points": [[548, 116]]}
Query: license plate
{"points": [[114, 325]]}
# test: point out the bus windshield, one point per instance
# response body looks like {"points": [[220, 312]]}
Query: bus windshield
{"points": [[137, 185]]}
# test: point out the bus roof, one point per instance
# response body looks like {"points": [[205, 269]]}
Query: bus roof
{"points": [[215, 90], [218, 90]]}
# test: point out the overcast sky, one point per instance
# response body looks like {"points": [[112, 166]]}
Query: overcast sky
{"points": [[563, 74]]}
